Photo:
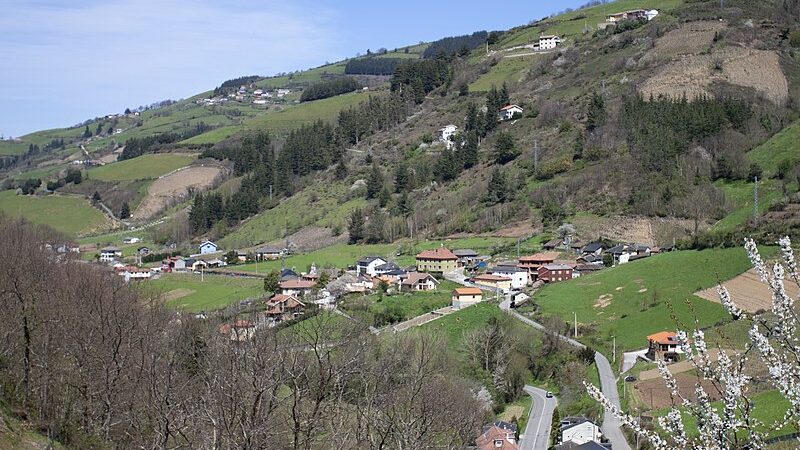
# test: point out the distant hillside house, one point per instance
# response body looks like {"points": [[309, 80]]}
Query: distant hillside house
{"points": [[440, 260], [466, 296], [208, 247], [508, 112], [418, 281], [109, 254], [131, 240], [269, 253], [553, 273], [369, 264], [446, 134], [519, 276], [549, 42]]}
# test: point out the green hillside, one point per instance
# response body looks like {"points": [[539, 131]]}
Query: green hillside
{"points": [[782, 147], [142, 167], [70, 215]]}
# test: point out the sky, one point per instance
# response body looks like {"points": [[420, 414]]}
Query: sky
{"points": [[66, 61]]}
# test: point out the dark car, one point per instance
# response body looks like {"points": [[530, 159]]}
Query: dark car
{"points": [[630, 379]]}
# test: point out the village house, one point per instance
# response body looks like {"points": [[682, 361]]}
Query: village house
{"points": [[208, 247], [663, 346], [497, 436], [594, 248], [440, 260], [553, 273], [238, 331], [466, 257], [289, 274], [297, 287], [173, 264], [143, 251], [131, 240], [284, 307], [508, 112], [388, 268], [196, 265], [586, 269], [368, 264], [418, 281], [591, 445], [500, 283], [447, 133], [549, 42], [533, 262], [269, 253], [350, 284], [519, 277], [136, 273], [579, 430], [466, 296], [109, 254], [553, 244]]}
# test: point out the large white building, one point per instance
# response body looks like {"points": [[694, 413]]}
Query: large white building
{"points": [[519, 277], [549, 42], [447, 133]]}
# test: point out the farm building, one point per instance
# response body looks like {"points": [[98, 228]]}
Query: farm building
{"points": [[466, 296]]}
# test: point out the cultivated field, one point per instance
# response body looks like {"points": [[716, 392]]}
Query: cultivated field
{"points": [[690, 39], [693, 75], [175, 187], [748, 292], [143, 167], [70, 215]]}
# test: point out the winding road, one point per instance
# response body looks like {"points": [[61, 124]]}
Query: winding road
{"points": [[537, 431]]}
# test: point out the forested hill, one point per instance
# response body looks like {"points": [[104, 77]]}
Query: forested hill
{"points": [[609, 126]]}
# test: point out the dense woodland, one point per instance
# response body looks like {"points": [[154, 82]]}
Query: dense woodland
{"points": [[460, 45], [234, 84], [371, 66], [151, 144], [329, 88]]}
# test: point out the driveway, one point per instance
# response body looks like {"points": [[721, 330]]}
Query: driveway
{"points": [[629, 359], [611, 425], [537, 431]]}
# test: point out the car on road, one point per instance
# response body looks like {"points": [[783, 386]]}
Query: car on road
{"points": [[630, 379], [548, 394]]}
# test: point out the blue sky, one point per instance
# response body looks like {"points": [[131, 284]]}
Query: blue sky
{"points": [[67, 61]]}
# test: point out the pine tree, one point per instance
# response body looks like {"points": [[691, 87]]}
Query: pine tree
{"points": [[272, 282], [125, 212], [384, 197], [375, 227], [355, 226], [596, 116], [403, 207], [86, 132], [341, 170], [96, 197], [504, 148], [401, 178], [469, 151], [497, 191], [374, 181], [197, 215]]}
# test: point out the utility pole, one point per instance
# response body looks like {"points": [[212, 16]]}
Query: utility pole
{"points": [[576, 323], [536, 154], [270, 192], [755, 199], [614, 352], [518, 239]]}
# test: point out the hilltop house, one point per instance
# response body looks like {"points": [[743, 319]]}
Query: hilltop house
{"points": [[533, 262], [579, 430], [663, 346], [466, 296], [440, 260], [519, 277], [108, 254], [284, 307], [297, 287], [368, 264], [208, 247], [497, 436], [553, 273], [509, 111], [418, 281]]}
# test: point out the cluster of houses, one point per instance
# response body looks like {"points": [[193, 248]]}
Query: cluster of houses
{"points": [[576, 433], [448, 133], [251, 93], [634, 14]]}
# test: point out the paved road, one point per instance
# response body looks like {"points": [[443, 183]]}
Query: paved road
{"points": [[608, 384], [611, 425], [537, 431], [629, 359]]}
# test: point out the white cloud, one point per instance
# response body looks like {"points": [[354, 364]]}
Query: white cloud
{"points": [[65, 62]]}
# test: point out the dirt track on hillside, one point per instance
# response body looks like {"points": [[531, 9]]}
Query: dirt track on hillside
{"points": [[174, 188]]}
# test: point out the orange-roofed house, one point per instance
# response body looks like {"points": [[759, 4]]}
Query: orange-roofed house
{"points": [[466, 296], [297, 287], [533, 262], [284, 307], [496, 438], [493, 281], [663, 346], [440, 260]]}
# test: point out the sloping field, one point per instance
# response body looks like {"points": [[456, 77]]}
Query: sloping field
{"points": [[174, 188], [142, 167], [690, 39], [782, 146], [693, 75], [193, 293], [67, 214], [749, 292]]}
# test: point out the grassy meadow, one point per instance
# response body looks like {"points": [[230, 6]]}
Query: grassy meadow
{"points": [[187, 292], [147, 166], [70, 215]]}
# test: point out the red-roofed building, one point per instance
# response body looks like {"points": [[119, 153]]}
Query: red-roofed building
{"points": [[466, 296], [440, 260], [284, 307], [297, 287], [496, 438], [664, 345], [552, 273], [533, 262]]}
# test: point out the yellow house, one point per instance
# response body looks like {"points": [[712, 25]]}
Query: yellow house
{"points": [[493, 281], [466, 296], [440, 260]]}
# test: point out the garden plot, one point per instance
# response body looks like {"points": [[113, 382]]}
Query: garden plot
{"points": [[748, 292]]}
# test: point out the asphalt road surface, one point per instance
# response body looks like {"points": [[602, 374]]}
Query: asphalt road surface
{"points": [[537, 431]]}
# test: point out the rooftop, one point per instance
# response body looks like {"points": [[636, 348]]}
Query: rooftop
{"points": [[439, 254]]}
